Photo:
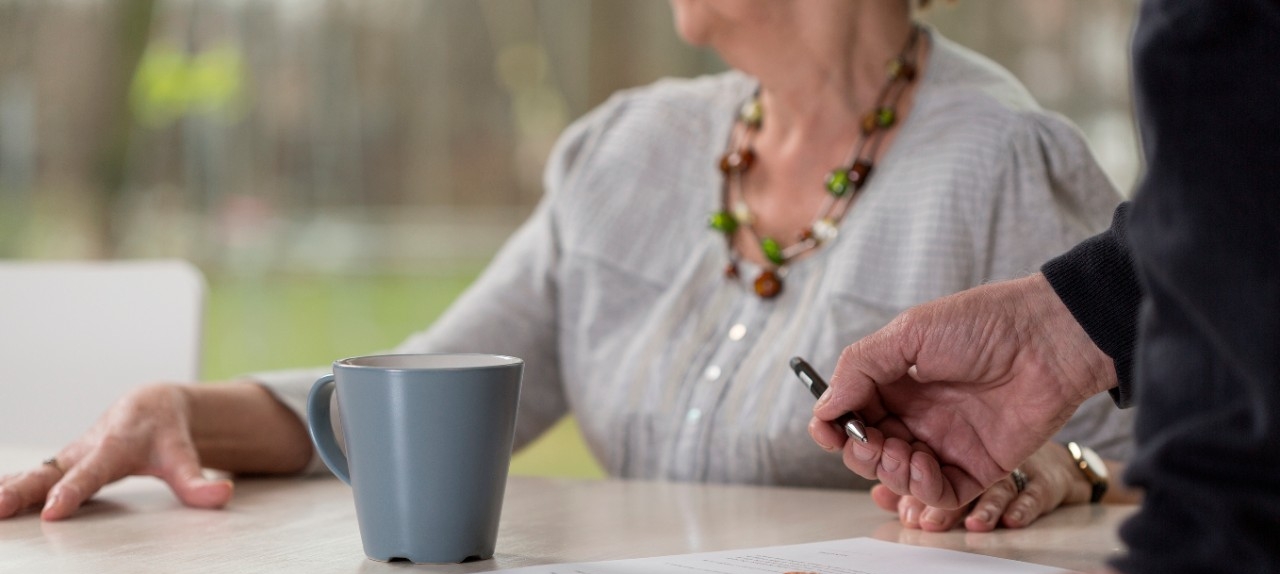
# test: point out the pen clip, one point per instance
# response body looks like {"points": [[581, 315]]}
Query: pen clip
{"points": [[808, 376]]}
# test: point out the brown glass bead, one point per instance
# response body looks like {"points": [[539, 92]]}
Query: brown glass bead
{"points": [[901, 69], [731, 270], [737, 161], [908, 72], [859, 172], [869, 123], [768, 284]]}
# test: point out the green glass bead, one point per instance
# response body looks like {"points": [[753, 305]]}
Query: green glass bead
{"points": [[772, 251], [723, 221], [885, 117], [838, 182]]}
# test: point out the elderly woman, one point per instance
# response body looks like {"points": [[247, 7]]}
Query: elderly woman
{"points": [[695, 234]]}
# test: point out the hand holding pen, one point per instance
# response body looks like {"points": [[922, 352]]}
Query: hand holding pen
{"points": [[852, 423]]}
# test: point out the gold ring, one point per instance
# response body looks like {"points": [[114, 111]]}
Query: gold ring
{"points": [[53, 461], [1019, 479]]}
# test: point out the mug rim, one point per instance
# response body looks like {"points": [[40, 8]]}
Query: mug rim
{"points": [[496, 361]]}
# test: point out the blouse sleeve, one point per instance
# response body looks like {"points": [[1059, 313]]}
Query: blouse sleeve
{"points": [[511, 309], [1050, 195]]}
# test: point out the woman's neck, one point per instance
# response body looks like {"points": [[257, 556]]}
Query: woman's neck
{"points": [[820, 71], [819, 75]]}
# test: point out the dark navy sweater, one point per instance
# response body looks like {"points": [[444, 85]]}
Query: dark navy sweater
{"points": [[1183, 292]]}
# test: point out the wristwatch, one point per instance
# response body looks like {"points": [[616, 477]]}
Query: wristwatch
{"points": [[1094, 470]]}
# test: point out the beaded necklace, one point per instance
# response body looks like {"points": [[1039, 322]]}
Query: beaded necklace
{"points": [[842, 184]]}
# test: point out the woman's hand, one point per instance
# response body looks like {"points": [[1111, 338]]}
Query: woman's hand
{"points": [[169, 431], [1052, 481], [147, 432]]}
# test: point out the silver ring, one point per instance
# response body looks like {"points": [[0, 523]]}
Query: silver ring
{"points": [[1019, 479], [53, 461]]}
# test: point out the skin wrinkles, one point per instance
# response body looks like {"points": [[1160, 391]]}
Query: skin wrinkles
{"points": [[943, 349]]}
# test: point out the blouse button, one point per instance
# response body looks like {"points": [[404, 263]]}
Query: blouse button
{"points": [[737, 332], [693, 415], [712, 373]]}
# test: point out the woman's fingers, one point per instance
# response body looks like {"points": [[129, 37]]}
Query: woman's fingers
{"points": [[84, 478], [991, 507], [909, 510], [144, 433], [913, 513], [24, 490], [1050, 476], [1036, 500], [1002, 504], [176, 463], [934, 519], [884, 498]]}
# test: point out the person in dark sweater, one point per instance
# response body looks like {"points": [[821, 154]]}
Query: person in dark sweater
{"points": [[1176, 308]]}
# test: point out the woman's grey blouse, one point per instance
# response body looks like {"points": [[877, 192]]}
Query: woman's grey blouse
{"points": [[613, 291]]}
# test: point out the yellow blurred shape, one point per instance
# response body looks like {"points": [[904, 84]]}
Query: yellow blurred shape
{"points": [[170, 84], [560, 452]]}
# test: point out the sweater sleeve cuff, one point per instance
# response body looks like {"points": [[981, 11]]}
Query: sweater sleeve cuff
{"points": [[291, 388], [1097, 283]]}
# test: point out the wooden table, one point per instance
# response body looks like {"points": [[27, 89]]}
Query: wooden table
{"points": [[309, 525]]}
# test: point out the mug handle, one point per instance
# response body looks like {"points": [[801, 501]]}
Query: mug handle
{"points": [[320, 426]]}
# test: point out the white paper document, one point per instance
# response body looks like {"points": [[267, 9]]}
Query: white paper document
{"points": [[853, 556]]}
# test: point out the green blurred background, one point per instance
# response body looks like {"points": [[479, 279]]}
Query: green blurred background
{"points": [[291, 320], [340, 170]]}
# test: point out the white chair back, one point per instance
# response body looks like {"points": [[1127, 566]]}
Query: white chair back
{"points": [[75, 336]]}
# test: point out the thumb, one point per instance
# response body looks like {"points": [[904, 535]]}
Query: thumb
{"points": [[200, 492], [185, 477], [880, 358]]}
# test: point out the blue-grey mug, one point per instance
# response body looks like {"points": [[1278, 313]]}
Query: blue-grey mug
{"points": [[428, 443]]}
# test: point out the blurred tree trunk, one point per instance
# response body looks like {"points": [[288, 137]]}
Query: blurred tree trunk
{"points": [[126, 46]]}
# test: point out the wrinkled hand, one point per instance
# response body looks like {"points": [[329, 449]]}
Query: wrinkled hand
{"points": [[1052, 481], [957, 392], [146, 433]]}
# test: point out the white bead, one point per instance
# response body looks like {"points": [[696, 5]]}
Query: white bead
{"points": [[751, 111], [742, 213], [824, 230]]}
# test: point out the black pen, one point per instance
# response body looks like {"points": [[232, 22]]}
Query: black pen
{"points": [[850, 422]]}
